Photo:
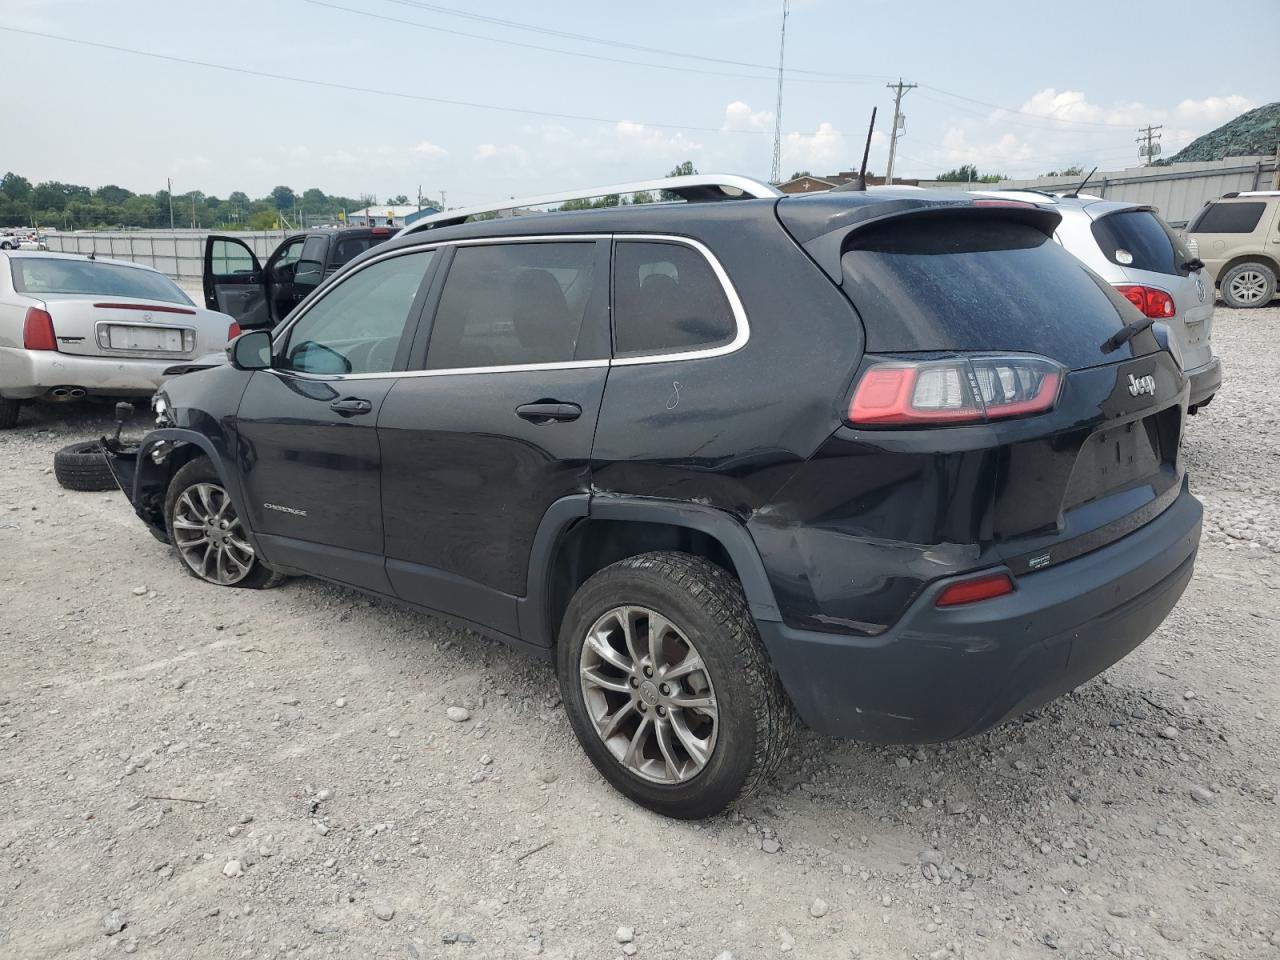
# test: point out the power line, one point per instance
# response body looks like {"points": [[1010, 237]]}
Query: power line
{"points": [[606, 41], [333, 85], [1025, 113], [647, 64]]}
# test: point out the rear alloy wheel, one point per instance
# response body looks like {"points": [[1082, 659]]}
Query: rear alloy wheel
{"points": [[1248, 285], [207, 532], [667, 685]]}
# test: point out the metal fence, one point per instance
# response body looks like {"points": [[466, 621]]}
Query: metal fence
{"points": [[1177, 190], [178, 253]]}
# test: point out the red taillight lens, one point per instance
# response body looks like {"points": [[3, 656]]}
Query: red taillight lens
{"points": [[979, 588], [1151, 301], [967, 390], [233, 331], [37, 330]]}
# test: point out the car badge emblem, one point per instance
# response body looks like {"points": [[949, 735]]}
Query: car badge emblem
{"points": [[1200, 289], [1140, 385], [146, 316]]}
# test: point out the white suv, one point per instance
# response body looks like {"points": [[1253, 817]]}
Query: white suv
{"points": [[1129, 246]]}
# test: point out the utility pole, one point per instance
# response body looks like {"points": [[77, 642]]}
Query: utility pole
{"points": [[1148, 143], [169, 180], [776, 170], [899, 90]]}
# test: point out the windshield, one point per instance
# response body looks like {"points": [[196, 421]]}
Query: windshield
{"points": [[42, 275]]}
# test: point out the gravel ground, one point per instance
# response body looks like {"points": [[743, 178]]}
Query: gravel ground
{"points": [[188, 771]]}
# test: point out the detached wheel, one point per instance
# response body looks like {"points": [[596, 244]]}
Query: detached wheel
{"points": [[1248, 285], [667, 685], [207, 533], [83, 466], [9, 413]]}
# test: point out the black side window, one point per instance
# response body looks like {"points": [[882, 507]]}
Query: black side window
{"points": [[666, 299], [357, 325], [311, 266], [1227, 218], [512, 303]]}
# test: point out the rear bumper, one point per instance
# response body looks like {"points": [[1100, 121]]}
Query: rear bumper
{"points": [[1205, 382], [30, 373], [940, 674]]}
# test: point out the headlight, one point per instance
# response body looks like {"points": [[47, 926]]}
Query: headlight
{"points": [[160, 407]]}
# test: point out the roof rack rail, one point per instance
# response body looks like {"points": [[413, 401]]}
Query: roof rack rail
{"points": [[692, 188]]}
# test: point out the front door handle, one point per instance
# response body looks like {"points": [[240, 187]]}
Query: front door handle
{"points": [[351, 406], [545, 411]]}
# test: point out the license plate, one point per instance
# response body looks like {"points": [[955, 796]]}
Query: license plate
{"points": [[161, 339]]}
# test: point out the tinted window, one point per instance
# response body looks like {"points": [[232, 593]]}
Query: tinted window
{"points": [[356, 326], [978, 285], [1139, 239], [230, 257], [512, 303], [37, 275], [348, 248], [1227, 218], [666, 299], [311, 264]]}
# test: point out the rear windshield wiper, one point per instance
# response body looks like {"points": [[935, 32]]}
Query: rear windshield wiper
{"points": [[1126, 333], [1195, 263]]}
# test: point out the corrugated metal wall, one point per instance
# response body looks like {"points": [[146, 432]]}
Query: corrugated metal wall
{"points": [[178, 254], [1178, 190]]}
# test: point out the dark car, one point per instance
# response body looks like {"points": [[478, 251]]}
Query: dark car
{"points": [[255, 296], [893, 460]]}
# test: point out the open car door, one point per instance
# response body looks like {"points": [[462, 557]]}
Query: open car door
{"points": [[234, 283]]}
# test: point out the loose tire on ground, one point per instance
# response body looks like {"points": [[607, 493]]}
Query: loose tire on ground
{"points": [[194, 479], [705, 608], [83, 466], [1248, 285], [9, 413]]}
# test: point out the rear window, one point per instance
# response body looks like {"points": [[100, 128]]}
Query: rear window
{"points": [[348, 248], [1228, 218], [977, 284], [41, 275], [1139, 239]]}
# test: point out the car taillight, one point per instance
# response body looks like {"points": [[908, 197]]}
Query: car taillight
{"points": [[956, 391], [233, 331], [1151, 301], [978, 588], [37, 330]]}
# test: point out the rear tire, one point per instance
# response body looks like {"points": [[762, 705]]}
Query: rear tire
{"points": [[9, 413], [83, 466], [1248, 285], [688, 747], [207, 534]]}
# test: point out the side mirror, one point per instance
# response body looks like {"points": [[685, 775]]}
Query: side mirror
{"points": [[251, 351]]}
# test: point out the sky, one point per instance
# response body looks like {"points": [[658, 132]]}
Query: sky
{"points": [[600, 92]]}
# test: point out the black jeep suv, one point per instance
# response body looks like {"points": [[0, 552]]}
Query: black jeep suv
{"points": [[894, 461]]}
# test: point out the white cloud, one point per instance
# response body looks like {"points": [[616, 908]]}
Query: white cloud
{"points": [[502, 151], [430, 150], [740, 116]]}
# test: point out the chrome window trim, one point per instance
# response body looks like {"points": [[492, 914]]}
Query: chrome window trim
{"points": [[742, 332]]}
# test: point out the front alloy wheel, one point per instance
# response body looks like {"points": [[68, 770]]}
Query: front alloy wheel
{"points": [[648, 695], [207, 533]]}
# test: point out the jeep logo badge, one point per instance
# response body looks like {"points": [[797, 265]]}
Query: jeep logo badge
{"points": [[1140, 385]]}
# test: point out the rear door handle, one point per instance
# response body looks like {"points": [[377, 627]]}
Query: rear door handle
{"points": [[545, 411], [351, 406]]}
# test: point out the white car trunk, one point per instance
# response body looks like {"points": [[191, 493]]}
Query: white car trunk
{"points": [[105, 326]]}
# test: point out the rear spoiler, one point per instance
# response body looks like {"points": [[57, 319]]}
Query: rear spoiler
{"points": [[824, 238]]}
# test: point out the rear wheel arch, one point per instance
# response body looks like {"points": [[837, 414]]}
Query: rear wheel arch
{"points": [[576, 541], [1266, 260]]}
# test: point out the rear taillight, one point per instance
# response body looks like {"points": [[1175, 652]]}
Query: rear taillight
{"points": [[233, 331], [37, 330], [1151, 301], [956, 391], [986, 587]]}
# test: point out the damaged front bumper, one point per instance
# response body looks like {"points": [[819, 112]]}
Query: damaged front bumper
{"points": [[125, 463]]}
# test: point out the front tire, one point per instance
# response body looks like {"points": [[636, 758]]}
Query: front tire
{"points": [[1248, 285], [208, 534], [667, 685]]}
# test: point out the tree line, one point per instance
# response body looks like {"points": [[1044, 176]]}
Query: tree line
{"points": [[70, 206]]}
